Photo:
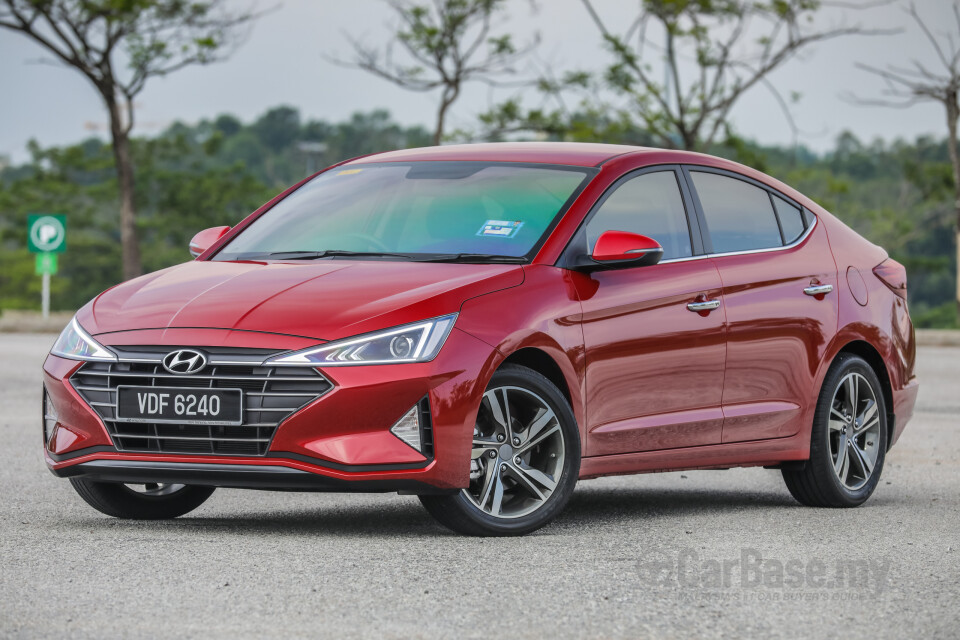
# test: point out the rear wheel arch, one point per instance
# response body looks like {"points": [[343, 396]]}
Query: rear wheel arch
{"points": [[869, 353]]}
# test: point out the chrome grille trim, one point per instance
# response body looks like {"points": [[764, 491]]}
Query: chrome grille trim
{"points": [[270, 396], [203, 377]]}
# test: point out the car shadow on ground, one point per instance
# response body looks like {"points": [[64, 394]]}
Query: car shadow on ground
{"points": [[589, 509]]}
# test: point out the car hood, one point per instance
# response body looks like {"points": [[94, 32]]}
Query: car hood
{"points": [[325, 300]]}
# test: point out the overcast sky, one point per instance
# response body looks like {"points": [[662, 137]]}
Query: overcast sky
{"points": [[282, 62]]}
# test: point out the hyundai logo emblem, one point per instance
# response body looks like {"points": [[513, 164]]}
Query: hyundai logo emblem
{"points": [[184, 361]]}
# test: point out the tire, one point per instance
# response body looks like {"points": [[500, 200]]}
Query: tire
{"points": [[502, 499], [154, 502], [827, 480]]}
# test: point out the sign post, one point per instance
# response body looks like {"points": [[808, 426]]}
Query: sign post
{"points": [[46, 237]]}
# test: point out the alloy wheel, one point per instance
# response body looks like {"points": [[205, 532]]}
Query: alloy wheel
{"points": [[518, 453], [154, 489], [854, 431]]}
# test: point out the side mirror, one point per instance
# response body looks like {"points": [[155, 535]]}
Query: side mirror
{"points": [[205, 239], [621, 249]]}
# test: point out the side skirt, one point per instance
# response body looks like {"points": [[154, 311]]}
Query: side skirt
{"points": [[759, 453]]}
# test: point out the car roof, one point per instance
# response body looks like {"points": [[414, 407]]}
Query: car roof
{"points": [[580, 154]]}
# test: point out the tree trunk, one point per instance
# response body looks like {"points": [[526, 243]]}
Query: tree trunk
{"points": [[953, 113], [447, 98], [129, 242]]}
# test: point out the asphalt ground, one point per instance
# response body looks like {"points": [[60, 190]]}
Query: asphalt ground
{"points": [[704, 553]]}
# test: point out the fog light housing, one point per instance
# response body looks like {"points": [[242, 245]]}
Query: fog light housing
{"points": [[408, 428], [415, 428], [50, 417]]}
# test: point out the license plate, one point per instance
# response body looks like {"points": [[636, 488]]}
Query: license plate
{"points": [[182, 406]]}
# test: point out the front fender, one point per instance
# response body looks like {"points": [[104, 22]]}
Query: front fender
{"points": [[543, 313]]}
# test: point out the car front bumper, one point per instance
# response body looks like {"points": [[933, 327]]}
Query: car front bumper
{"points": [[339, 442]]}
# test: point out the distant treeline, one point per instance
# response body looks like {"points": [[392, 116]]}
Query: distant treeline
{"points": [[217, 171]]}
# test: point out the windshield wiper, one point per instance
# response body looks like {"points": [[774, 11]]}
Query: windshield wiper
{"points": [[474, 257], [316, 255]]}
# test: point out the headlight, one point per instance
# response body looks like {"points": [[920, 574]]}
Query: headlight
{"points": [[418, 342], [76, 344]]}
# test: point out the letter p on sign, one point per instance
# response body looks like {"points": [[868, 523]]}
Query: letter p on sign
{"points": [[47, 233]]}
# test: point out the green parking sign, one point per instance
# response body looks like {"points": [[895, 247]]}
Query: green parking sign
{"points": [[47, 233], [46, 263]]}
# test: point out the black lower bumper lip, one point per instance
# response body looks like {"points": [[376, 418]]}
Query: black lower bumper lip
{"points": [[237, 476]]}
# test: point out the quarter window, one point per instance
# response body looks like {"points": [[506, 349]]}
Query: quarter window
{"points": [[650, 205], [739, 215], [791, 219]]}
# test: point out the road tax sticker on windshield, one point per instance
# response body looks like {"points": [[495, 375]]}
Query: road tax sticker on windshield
{"points": [[500, 228]]}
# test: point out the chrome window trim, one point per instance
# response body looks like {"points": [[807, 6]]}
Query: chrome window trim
{"points": [[798, 241]]}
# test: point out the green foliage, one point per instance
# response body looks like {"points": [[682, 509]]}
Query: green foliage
{"points": [[189, 178]]}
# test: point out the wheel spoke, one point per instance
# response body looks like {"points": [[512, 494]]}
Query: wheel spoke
{"points": [[538, 424], [837, 413], [867, 425], [869, 412], [863, 461], [529, 444], [497, 505], [836, 425], [868, 418], [838, 463], [495, 408], [481, 446], [506, 413], [524, 480], [540, 477], [851, 385], [489, 478], [844, 470]]}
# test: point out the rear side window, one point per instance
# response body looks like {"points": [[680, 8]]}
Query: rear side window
{"points": [[791, 219], [651, 205], [739, 215]]}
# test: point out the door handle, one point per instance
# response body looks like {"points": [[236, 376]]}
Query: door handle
{"points": [[706, 305], [818, 290]]}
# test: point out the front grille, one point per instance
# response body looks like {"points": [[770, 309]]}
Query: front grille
{"points": [[271, 394]]}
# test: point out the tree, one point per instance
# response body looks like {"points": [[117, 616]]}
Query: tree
{"points": [[118, 45], [713, 52], [278, 128], [905, 86], [445, 45]]}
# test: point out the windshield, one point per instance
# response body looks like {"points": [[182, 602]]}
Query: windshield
{"points": [[474, 211]]}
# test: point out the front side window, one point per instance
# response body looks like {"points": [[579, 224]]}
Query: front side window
{"points": [[739, 215], [414, 210], [650, 205]]}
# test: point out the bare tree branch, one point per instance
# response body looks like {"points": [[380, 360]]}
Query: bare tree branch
{"points": [[907, 87], [446, 44]]}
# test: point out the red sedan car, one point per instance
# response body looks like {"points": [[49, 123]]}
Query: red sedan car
{"points": [[483, 326]]}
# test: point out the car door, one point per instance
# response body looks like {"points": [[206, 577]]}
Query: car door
{"points": [[778, 278], [653, 366]]}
